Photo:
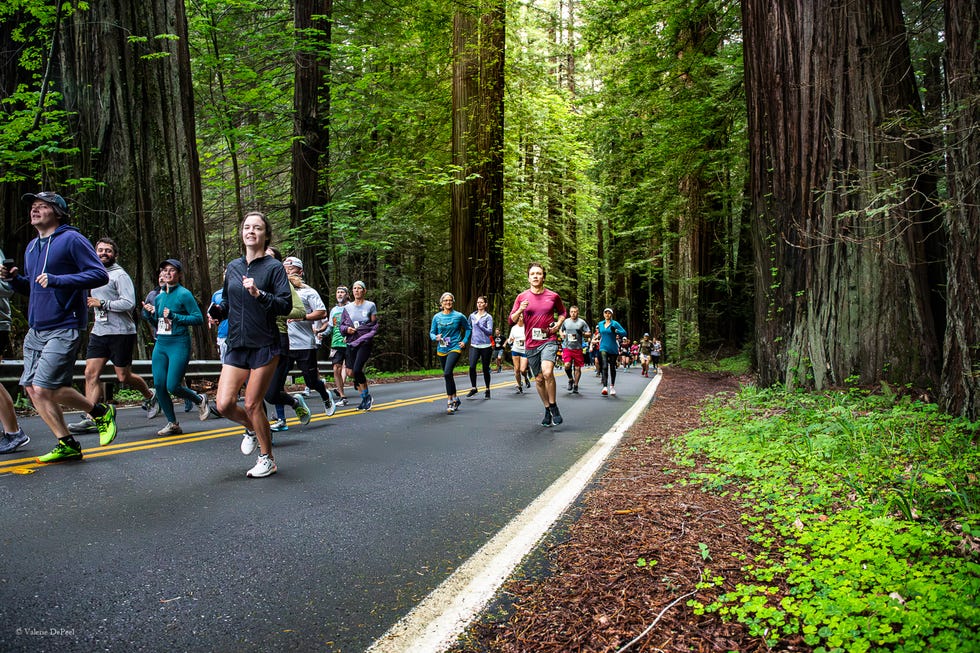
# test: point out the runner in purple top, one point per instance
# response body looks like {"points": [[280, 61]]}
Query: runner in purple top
{"points": [[543, 314]]}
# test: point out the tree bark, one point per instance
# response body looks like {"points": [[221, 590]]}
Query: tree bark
{"points": [[841, 283], [311, 103], [960, 389], [477, 217], [136, 134]]}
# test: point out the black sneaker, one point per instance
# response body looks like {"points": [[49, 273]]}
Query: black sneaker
{"points": [[556, 417], [472, 392], [571, 384], [547, 417], [574, 389], [486, 395]]}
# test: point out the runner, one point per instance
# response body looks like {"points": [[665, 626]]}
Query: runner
{"points": [[451, 330], [575, 334], [113, 336], [302, 340], [645, 347], [276, 394], [610, 331], [517, 353], [338, 346], [60, 265], [655, 354], [481, 326], [13, 436], [175, 310], [256, 290], [221, 333], [543, 314], [359, 324], [498, 349]]}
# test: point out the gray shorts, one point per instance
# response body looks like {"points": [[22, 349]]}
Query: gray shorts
{"points": [[545, 352], [49, 358]]}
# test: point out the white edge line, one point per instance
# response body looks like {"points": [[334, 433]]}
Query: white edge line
{"points": [[436, 622]]}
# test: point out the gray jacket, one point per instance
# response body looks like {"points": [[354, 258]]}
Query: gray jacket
{"points": [[116, 315]]}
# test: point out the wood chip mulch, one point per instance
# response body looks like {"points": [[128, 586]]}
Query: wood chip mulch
{"points": [[594, 596]]}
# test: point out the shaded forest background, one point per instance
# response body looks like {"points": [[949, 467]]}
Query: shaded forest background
{"points": [[792, 178]]}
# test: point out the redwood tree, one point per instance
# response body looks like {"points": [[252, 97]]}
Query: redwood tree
{"points": [[841, 283], [477, 214], [961, 372]]}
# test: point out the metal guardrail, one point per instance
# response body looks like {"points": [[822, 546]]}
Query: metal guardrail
{"points": [[10, 371]]}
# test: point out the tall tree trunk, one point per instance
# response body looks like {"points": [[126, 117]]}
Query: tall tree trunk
{"points": [[840, 275], [477, 215], [311, 103], [960, 390], [133, 96]]}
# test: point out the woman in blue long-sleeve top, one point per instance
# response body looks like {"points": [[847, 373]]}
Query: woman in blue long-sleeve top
{"points": [[610, 331], [451, 331]]}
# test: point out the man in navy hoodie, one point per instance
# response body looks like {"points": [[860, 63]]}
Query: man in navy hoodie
{"points": [[60, 266]]}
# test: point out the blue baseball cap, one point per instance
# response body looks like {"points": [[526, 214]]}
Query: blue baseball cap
{"points": [[56, 201]]}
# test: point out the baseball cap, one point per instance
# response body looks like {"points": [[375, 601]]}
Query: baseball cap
{"points": [[56, 201], [170, 261], [295, 262]]}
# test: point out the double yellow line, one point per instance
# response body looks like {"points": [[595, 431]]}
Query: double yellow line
{"points": [[30, 465]]}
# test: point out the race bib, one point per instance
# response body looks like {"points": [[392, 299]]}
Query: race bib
{"points": [[520, 344], [101, 315], [539, 334], [357, 324], [572, 337], [164, 327]]}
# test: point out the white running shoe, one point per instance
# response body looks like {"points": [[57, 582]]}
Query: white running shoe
{"points": [[264, 466], [87, 425], [329, 406], [249, 442], [612, 391], [605, 391], [170, 429], [203, 409]]}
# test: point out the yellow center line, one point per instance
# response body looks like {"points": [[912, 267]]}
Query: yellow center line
{"points": [[28, 465]]}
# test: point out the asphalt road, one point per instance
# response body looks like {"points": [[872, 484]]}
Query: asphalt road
{"points": [[156, 544]]}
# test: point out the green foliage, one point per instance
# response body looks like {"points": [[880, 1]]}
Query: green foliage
{"points": [[864, 506]]}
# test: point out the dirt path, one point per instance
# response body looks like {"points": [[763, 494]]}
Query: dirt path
{"points": [[598, 597]]}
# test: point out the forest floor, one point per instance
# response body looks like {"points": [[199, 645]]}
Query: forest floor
{"points": [[625, 564]]}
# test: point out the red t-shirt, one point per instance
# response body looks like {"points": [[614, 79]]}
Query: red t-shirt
{"points": [[541, 312]]}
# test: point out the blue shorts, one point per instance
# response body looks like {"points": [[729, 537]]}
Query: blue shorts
{"points": [[49, 358], [517, 354], [250, 358]]}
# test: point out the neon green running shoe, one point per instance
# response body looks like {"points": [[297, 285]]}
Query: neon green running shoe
{"points": [[61, 453], [302, 410], [107, 425]]}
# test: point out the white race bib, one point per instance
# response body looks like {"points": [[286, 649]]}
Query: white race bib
{"points": [[164, 327], [539, 334], [572, 337], [101, 315]]}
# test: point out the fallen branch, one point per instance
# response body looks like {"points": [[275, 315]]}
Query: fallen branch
{"points": [[655, 621]]}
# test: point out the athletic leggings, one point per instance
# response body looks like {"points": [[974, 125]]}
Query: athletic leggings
{"points": [[483, 354], [276, 394], [608, 361], [305, 360], [357, 358], [448, 365], [170, 356]]}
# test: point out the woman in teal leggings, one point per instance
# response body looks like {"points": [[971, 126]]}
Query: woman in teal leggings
{"points": [[174, 310]]}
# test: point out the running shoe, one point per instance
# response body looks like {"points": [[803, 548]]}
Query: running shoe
{"points": [[520, 389], [170, 429], [87, 425], [571, 383], [547, 417], [329, 405], [302, 410], [575, 389], [249, 442], [612, 391], [203, 408], [472, 392], [456, 404], [486, 395], [60, 453], [450, 408], [264, 466], [151, 405], [527, 383], [279, 425], [305, 392], [605, 391], [367, 401], [556, 417], [336, 393], [342, 402], [11, 442], [106, 425]]}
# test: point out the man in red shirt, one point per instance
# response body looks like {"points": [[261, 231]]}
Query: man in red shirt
{"points": [[543, 314]]}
